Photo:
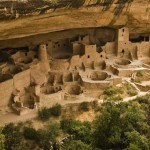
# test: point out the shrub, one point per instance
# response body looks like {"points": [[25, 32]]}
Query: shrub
{"points": [[43, 139], [112, 90], [68, 125], [30, 133], [53, 131], [56, 110], [47, 136], [94, 104], [44, 113], [137, 80], [144, 99], [13, 137], [85, 106], [132, 92], [139, 73], [114, 98]]}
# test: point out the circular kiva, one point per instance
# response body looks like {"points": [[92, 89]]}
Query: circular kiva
{"points": [[123, 62], [98, 75], [73, 89]]}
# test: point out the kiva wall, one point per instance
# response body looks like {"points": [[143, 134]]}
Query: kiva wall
{"points": [[125, 73], [99, 85]]}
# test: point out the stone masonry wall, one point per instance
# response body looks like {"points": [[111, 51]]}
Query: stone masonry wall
{"points": [[22, 80], [6, 89]]}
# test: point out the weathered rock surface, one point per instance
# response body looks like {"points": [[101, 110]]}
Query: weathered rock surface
{"points": [[135, 15]]}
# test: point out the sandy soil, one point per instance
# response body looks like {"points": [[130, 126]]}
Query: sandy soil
{"points": [[12, 117], [86, 116]]}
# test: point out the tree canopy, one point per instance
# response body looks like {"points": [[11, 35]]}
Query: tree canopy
{"points": [[118, 124]]}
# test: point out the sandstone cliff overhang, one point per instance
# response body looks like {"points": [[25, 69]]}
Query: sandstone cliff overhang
{"points": [[134, 14]]}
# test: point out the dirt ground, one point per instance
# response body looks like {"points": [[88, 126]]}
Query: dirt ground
{"points": [[87, 116]]}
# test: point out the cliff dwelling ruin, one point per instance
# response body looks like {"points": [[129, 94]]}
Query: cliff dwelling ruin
{"points": [[70, 69]]}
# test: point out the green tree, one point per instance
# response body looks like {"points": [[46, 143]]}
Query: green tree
{"points": [[13, 137], [56, 110], [113, 98], [44, 113], [145, 103], [136, 141], [46, 137], [53, 131], [43, 139], [80, 130], [116, 120], [2, 140], [30, 133]]}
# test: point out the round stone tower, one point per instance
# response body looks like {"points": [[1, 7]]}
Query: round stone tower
{"points": [[42, 53], [42, 56]]}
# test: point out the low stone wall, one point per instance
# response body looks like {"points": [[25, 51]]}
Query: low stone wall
{"points": [[114, 70], [126, 73], [73, 97], [97, 85]]}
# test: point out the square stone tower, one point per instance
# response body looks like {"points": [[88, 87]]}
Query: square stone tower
{"points": [[122, 41]]}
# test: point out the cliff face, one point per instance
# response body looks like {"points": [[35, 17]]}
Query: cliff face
{"points": [[134, 14]]}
